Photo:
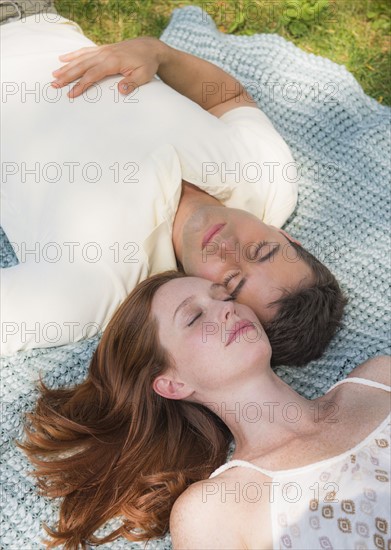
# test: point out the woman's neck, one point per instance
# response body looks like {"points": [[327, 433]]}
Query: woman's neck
{"points": [[266, 413]]}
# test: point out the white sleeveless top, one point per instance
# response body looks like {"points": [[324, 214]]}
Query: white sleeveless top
{"points": [[342, 502]]}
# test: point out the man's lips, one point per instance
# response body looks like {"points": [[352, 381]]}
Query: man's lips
{"points": [[212, 231], [237, 329]]}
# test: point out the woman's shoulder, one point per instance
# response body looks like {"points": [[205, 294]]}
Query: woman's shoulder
{"points": [[211, 513], [198, 519], [377, 369]]}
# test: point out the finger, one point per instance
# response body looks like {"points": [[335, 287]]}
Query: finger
{"points": [[137, 78], [90, 78], [77, 53], [77, 70], [126, 86], [74, 63], [77, 90]]}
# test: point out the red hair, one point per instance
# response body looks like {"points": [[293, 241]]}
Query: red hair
{"points": [[111, 446]]}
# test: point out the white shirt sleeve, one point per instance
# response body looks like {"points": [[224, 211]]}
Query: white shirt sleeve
{"points": [[239, 158], [266, 161]]}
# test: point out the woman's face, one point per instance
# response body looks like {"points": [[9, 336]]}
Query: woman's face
{"points": [[212, 340]]}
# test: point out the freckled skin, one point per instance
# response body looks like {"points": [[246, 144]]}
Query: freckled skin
{"points": [[199, 333]]}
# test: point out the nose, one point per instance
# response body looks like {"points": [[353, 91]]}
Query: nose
{"points": [[227, 311], [229, 251]]}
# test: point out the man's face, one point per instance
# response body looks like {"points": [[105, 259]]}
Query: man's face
{"points": [[256, 262]]}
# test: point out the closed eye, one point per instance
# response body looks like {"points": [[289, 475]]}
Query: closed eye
{"points": [[229, 278], [195, 319], [264, 257], [258, 248]]}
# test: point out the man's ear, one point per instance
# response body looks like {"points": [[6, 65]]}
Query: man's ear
{"points": [[289, 237], [170, 389]]}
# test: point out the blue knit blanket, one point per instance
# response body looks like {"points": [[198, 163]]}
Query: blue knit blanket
{"points": [[340, 137]]}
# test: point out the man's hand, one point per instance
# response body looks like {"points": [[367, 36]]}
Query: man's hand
{"points": [[137, 60]]}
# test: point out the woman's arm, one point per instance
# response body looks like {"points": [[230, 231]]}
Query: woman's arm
{"points": [[138, 60]]}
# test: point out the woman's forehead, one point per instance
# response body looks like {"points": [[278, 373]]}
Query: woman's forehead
{"points": [[174, 292], [177, 287]]}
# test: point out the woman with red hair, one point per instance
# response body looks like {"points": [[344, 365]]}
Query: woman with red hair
{"points": [[181, 372]]}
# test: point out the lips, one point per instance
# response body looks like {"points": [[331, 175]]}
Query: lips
{"points": [[238, 329], [212, 231]]}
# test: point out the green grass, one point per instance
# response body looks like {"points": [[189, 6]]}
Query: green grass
{"points": [[355, 33]]}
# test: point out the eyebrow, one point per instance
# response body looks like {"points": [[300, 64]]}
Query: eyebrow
{"points": [[189, 299], [239, 286]]}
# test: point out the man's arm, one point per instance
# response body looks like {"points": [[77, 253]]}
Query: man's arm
{"points": [[204, 83], [138, 60]]}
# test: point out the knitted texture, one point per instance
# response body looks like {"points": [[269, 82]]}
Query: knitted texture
{"points": [[340, 139]]}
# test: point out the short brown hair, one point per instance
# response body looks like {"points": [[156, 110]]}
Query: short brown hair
{"points": [[307, 318]]}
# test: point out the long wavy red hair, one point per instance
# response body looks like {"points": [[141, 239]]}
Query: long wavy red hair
{"points": [[111, 446]]}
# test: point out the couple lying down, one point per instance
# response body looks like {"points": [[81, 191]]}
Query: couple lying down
{"points": [[184, 368]]}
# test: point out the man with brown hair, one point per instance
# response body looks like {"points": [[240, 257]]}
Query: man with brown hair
{"points": [[196, 138], [295, 296]]}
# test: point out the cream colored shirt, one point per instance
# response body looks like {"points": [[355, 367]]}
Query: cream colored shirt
{"points": [[90, 186]]}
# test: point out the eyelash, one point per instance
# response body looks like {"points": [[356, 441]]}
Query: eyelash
{"points": [[234, 295], [232, 275], [229, 299], [258, 248], [195, 319], [229, 277]]}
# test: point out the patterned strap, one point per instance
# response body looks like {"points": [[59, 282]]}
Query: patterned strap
{"points": [[364, 382]]}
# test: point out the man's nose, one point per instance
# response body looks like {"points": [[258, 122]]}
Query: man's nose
{"points": [[227, 311], [229, 251]]}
